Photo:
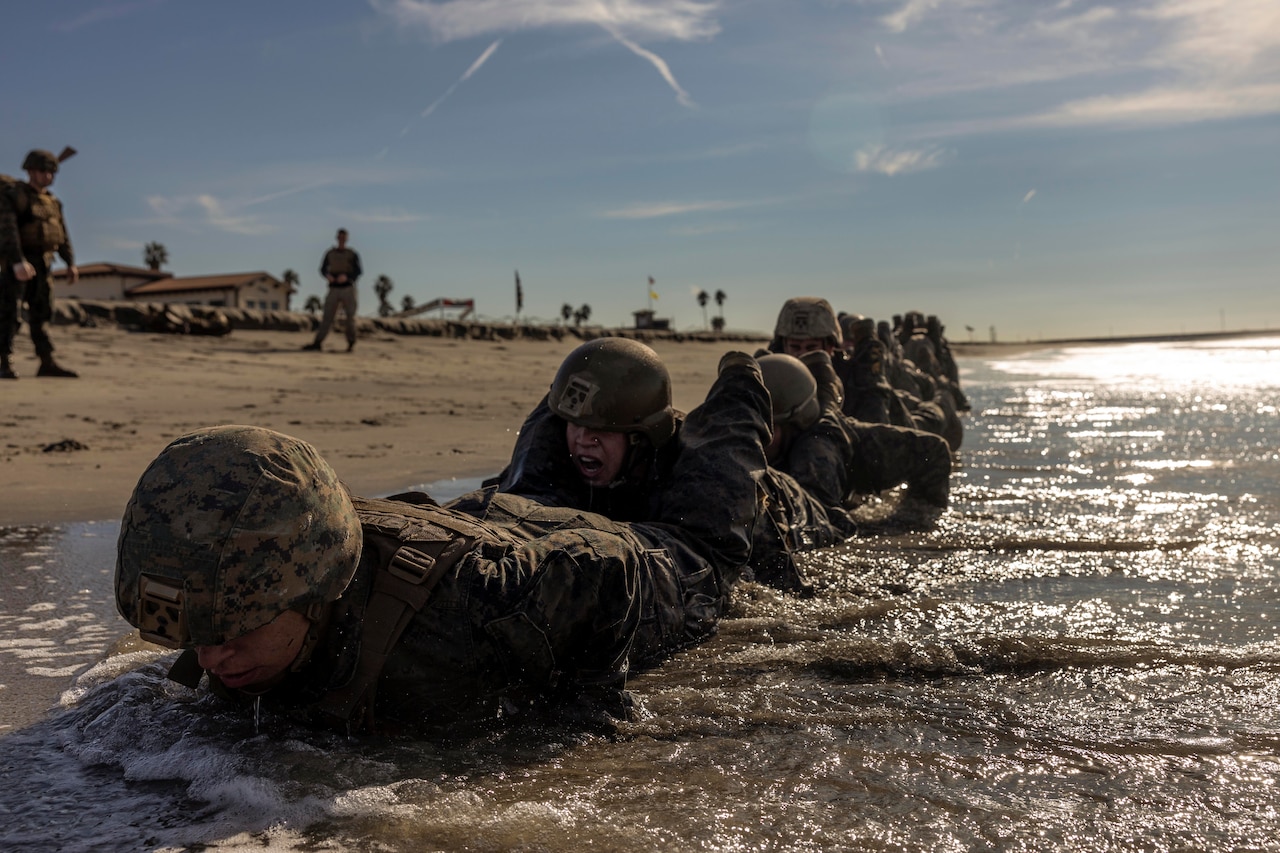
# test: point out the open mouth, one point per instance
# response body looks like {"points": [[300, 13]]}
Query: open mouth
{"points": [[588, 466]]}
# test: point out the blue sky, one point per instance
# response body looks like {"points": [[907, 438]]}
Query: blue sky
{"points": [[1049, 169]]}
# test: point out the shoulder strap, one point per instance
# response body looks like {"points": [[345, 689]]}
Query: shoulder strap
{"points": [[414, 545]]}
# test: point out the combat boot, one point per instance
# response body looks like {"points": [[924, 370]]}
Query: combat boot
{"points": [[830, 386], [48, 367], [311, 347], [6, 372]]}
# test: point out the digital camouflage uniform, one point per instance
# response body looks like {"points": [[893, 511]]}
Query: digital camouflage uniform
{"points": [[420, 615], [32, 228], [699, 498]]}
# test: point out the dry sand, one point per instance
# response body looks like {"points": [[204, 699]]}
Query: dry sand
{"points": [[399, 411]]}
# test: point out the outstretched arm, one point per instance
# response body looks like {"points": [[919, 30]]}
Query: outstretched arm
{"points": [[713, 496]]}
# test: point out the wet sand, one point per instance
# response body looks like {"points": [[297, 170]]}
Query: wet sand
{"points": [[401, 410]]}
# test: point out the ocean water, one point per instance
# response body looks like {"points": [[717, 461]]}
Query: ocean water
{"points": [[1081, 655]]}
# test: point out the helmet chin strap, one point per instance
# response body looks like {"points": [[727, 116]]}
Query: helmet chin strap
{"points": [[318, 614], [636, 462]]}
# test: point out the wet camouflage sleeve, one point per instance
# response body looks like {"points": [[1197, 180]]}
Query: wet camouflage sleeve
{"points": [[549, 620], [706, 519], [820, 460], [713, 495], [792, 520]]}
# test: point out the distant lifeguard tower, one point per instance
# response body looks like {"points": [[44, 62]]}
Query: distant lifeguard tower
{"points": [[646, 320]]}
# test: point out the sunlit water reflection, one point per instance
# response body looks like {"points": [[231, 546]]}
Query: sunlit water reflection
{"points": [[1080, 656]]}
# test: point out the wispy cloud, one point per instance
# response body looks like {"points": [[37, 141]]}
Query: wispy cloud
{"points": [[1159, 62], [381, 217], [884, 160], [233, 209], [106, 12], [629, 22], [203, 210], [708, 228], [660, 210]]}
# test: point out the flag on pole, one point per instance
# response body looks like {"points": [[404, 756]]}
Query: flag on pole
{"points": [[519, 294], [653, 294]]}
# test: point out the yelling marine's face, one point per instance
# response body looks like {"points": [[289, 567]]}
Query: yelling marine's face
{"points": [[597, 455]]}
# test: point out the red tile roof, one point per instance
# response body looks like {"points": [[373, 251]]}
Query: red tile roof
{"points": [[97, 269], [229, 281]]}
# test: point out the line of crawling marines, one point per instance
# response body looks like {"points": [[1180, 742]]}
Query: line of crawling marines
{"points": [[612, 540]]}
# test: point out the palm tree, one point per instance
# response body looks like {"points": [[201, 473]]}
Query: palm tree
{"points": [[702, 303], [313, 305], [582, 315], [566, 311], [407, 304], [720, 298], [383, 287], [290, 279], [155, 255]]}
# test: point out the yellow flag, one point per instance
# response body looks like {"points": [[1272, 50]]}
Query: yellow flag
{"points": [[652, 295]]}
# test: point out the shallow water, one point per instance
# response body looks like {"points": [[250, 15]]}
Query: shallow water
{"points": [[1080, 656]]}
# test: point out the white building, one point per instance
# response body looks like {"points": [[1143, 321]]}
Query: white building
{"points": [[104, 281]]}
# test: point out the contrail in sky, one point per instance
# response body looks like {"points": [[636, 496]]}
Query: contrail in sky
{"points": [[475, 66], [657, 61]]}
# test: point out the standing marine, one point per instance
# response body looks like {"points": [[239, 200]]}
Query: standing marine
{"points": [[340, 268], [32, 230]]}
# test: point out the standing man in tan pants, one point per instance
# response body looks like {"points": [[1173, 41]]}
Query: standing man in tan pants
{"points": [[341, 268]]}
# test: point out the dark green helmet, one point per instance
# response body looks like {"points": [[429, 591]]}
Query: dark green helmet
{"points": [[808, 317], [855, 327], [792, 389], [228, 528], [40, 160], [615, 385]]}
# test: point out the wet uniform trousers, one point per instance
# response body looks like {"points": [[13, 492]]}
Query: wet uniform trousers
{"points": [[839, 458]]}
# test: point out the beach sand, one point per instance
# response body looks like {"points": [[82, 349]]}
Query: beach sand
{"points": [[399, 411]]}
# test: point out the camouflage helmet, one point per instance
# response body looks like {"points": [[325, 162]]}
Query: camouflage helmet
{"points": [[228, 528], [615, 385], [808, 317], [40, 160], [792, 389], [855, 327]]}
